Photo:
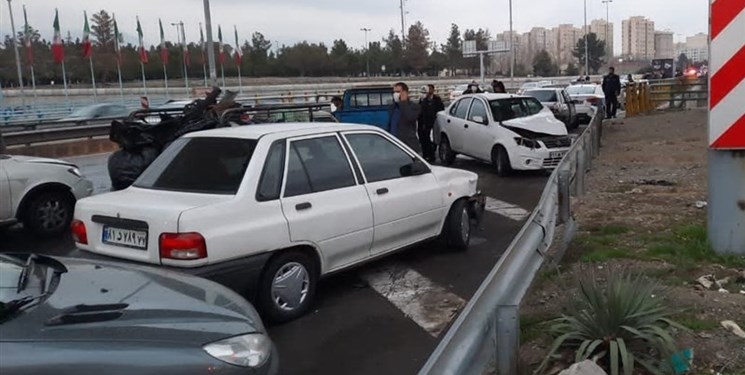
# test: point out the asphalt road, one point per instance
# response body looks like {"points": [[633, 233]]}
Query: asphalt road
{"points": [[385, 317]]}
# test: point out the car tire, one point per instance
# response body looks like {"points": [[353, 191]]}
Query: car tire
{"points": [[49, 213], [275, 303], [458, 226], [445, 152], [501, 160]]}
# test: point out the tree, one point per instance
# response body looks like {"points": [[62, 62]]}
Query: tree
{"points": [[340, 57], [103, 29], [572, 70], [453, 50], [683, 62], [258, 55], [395, 52], [482, 38], [543, 65], [417, 42], [596, 49]]}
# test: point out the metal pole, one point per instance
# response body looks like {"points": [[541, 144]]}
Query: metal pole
{"points": [[144, 82], [64, 81], [587, 48], [121, 85], [481, 66], [403, 26], [607, 26], [726, 206], [367, 51], [512, 52], [93, 79], [18, 56], [204, 63], [33, 82], [222, 72], [165, 76], [210, 44], [184, 51]]}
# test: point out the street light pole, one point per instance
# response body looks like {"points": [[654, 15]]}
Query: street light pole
{"points": [[18, 56], [210, 44], [367, 51], [512, 52], [587, 47], [607, 26], [403, 27]]}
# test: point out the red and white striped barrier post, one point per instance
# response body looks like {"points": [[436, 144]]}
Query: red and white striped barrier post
{"points": [[726, 209]]}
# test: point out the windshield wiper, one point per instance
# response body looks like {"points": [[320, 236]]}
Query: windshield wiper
{"points": [[10, 308], [23, 277]]}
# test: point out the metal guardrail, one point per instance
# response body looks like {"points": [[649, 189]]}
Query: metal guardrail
{"points": [[487, 330], [55, 134]]}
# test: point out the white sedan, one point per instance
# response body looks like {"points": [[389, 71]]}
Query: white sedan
{"points": [[587, 100], [40, 193], [271, 208], [512, 132]]}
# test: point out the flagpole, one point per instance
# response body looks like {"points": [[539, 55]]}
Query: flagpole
{"points": [[144, 83], [204, 68], [165, 75], [93, 79], [240, 82], [18, 57], [222, 72], [204, 61], [33, 82], [64, 81], [29, 52], [121, 85]]}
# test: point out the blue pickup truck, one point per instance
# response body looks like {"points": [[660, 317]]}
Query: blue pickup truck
{"points": [[366, 105]]}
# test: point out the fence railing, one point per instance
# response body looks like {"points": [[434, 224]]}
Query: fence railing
{"points": [[644, 97], [486, 333]]}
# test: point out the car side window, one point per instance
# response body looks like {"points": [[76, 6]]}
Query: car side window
{"points": [[360, 100], [387, 98], [380, 158], [477, 109], [316, 165], [533, 105], [270, 182], [462, 109]]}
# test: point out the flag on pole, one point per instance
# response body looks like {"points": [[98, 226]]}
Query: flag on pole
{"points": [[143, 52], [27, 38], [87, 47], [57, 49], [118, 39], [221, 49], [163, 47], [185, 46], [238, 52], [201, 42]]}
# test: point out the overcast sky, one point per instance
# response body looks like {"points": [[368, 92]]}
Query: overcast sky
{"points": [[289, 21]]}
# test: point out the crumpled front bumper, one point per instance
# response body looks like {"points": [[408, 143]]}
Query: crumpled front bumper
{"points": [[476, 207]]}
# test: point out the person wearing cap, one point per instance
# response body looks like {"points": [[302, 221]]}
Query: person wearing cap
{"points": [[430, 104]]}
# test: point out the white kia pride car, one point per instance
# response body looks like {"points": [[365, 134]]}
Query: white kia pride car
{"points": [[269, 209], [40, 193], [512, 132]]}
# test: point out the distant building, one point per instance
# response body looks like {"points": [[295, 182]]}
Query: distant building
{"points": [[541, 38], [638, 38], [567, 37], [696, 48], [604, 31], [663, 45]]}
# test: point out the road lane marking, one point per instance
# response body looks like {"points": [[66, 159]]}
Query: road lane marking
{"points": [[431, 306], [505, 209]]}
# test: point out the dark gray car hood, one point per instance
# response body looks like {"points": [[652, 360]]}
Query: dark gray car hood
{"points": [[103, 301]]}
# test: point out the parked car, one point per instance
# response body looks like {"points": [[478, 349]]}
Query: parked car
{"points": [[39, 192], [366, 105], [559, 102], [97, 111], [457, 90], [511, 132], [587, 99], [74, 316], [532, 85], [269, 209]]}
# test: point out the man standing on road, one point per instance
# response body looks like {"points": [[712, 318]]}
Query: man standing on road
{"points": [[611, 89], [402, 117], [430, 104]]}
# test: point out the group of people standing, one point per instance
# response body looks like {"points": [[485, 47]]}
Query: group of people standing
{"points": [[412, 122]]}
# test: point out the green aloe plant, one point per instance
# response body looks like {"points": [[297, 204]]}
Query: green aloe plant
{"points": [[625, 322]]}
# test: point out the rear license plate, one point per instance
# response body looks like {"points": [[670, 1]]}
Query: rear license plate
{"points": [[135, 239], [556, 154]]}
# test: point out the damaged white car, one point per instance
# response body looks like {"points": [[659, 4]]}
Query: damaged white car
{"points": [[512, 132]]}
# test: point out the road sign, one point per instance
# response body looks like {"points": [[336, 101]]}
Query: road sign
{"points": [[469, 47], [727, 76], [498, 46]]}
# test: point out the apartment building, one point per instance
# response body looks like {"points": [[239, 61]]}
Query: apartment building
{"points": [[638, 38]]}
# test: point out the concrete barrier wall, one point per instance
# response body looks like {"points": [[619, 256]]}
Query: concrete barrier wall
{"points": [[65, 149]]}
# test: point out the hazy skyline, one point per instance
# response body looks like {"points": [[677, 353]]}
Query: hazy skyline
{"points": [[290, 21]]}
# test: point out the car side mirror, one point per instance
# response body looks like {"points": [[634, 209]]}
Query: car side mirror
{"points": [[479, 119], [415, 168]]}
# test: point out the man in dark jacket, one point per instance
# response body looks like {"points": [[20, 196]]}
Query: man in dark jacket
{"points": [[402, 117], [430, 104], [611, 89]]}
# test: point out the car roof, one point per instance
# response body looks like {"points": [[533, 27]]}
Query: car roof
{"points": [[288, 129], [546, 89], [493, 96]]}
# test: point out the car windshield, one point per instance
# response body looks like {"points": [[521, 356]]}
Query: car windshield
{"points": [[543, 95], [208, 165], [581, 90], [509, 109], [23, 283]]}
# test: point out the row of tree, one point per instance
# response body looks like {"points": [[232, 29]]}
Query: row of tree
{"points": [[418, 55]]}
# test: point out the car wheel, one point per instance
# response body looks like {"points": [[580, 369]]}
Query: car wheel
{"points": [[458, 226], [49, 213], [502, 161], [445, 152], [287, 286]]}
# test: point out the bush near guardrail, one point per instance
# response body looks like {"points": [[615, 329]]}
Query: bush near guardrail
{"points": [[487, 330]]}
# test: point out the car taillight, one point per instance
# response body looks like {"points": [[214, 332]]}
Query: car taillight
{"points": [[182, 246], [592, 101], [79, 234]]}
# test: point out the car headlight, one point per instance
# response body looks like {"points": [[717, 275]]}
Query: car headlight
{"points": [[76, 172], [250, 350], [529, 143]]}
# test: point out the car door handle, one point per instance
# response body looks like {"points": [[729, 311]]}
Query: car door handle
{"points": [[382, 191], [448, 121], [465, 126], [303, 206]]}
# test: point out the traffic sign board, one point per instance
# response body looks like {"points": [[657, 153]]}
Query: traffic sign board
{"points": [[727, 76]]}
